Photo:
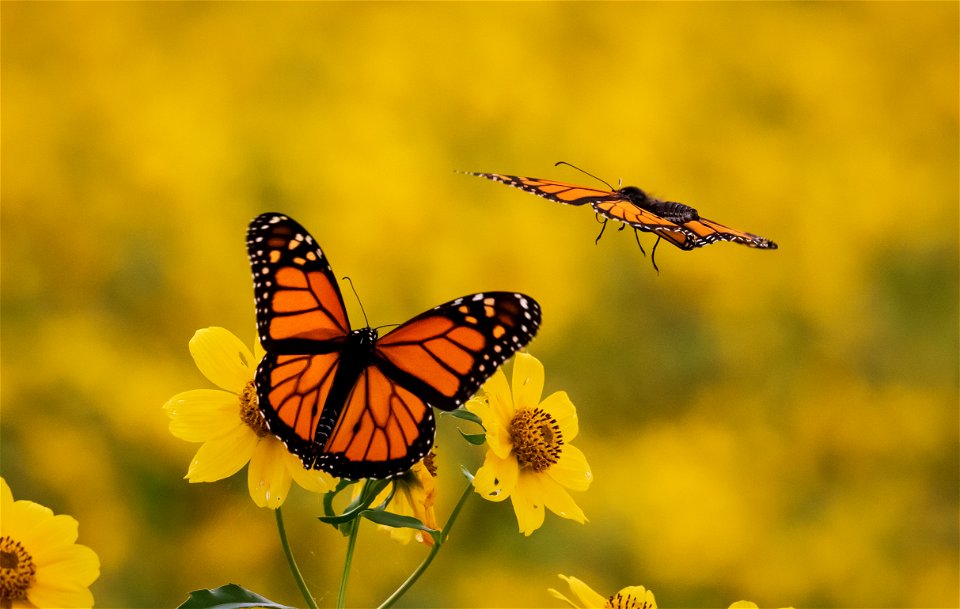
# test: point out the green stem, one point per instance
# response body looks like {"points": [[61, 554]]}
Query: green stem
{"points": [[312, 604], [433, 551], [342, 596]]}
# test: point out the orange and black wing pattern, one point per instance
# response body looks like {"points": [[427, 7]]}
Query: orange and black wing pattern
{"points": [[343, 400], [561, 192], [303, 328], [446, 353], [677, 223], [440, 359], [702, 232]]}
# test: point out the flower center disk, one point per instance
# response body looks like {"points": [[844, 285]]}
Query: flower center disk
{"points": [[537, 440], [17, 570], [249, 412]]}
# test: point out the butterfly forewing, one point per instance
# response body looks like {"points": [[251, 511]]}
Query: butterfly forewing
{"points": [[297, 295], [561, 192], [448, 352]]}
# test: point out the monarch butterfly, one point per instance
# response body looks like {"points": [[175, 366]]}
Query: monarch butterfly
{"points": [[677, 223], [347, 401]]}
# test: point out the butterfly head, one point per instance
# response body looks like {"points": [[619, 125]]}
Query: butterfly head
{"points": [[364, 337], [634, 195]]}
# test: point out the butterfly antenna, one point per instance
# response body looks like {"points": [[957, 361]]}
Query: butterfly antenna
{"points": [[359, 302], [584, 171]]}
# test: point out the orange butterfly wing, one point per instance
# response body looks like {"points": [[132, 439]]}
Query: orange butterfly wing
{"points": [[439, 358], [637, 209], [704, 232], [344, 401], [302, 325]]}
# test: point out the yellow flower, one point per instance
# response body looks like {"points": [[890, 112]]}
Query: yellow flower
{"points": [[530, 458], [40, 565], [231, 427], [631, 597], [414, 494]]}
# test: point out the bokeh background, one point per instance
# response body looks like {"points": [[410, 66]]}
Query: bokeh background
{"points": [[776, 426]]}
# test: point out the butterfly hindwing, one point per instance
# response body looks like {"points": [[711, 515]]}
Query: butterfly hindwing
{"points": [[383, 429], [704, 232]]}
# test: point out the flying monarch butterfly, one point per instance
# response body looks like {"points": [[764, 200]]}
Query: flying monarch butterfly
{"points": [[344, 400], [677, 223]]}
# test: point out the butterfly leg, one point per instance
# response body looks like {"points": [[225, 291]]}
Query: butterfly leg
{"points": [[653, 254], [636, 233], [602, 228]]}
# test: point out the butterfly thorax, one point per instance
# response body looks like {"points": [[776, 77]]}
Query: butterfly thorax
{"points": [[355, 355], [678, 213]]}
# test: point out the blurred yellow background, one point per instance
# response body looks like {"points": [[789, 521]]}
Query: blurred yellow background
{"points": [[776, 426]]}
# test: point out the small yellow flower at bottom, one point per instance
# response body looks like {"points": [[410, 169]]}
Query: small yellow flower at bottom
{"points": [[40, 563], [631, 597], [230, 426], [530, 458], [414, 494]]}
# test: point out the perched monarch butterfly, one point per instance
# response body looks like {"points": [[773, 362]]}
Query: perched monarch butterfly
{"points": [[344, 400], [677, 223]]}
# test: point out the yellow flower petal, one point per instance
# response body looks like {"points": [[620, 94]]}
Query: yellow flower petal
{"points": [[556, 594], [499, 401], [45, 595], [496, 478], [527, 505], [572, 469], [634, 597], [47, 535], [6, 496], [74, 564], [268, 477], [24, 517], [558, 500], [64, 570], [222, 457], [203, 414], [743, 605], [551, 495], [223, 358], [527, 381], [314, 480], [588, 597], [562, 410]]}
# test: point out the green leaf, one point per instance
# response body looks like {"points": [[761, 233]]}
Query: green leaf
{"points": [[474, 438], [399, 521], [230, 596], [370, 491], [466, 415]]}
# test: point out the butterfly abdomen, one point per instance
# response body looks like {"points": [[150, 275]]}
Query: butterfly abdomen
{"points": [[678, 213], [356, 355]]}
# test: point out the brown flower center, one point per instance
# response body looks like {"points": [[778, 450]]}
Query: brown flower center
{"points": [[626, 601], [17, 571], [249, 413], [537, 440]]}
